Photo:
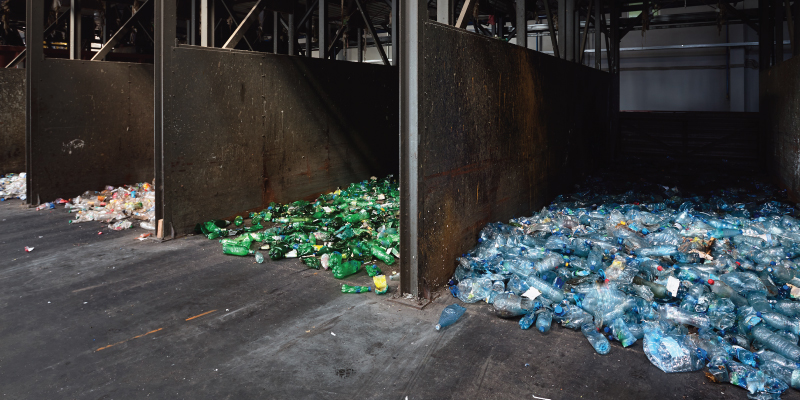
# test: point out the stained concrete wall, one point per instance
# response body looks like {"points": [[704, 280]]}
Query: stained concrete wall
{"points": [[250, 128], [12, 120], [501, 133], [780, 123], [94, 127]]}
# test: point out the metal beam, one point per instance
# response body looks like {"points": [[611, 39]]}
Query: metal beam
{"points": [[414, 15], [34, 36], [796, 48], [192, 28], [790, 23], [323, 29], [308, 14], [569, 28], [522, 24], [336, 38], [395, 34], [551, 28], [585, 32], [444, 11], [360, 44], [275, 25], [598, 58], [165, 14], [729, 9], [562, 27], [75, 30], [235, 23], [251, 17], [777, 9], [290, 30], [466, 13], [207, 23], [145, 10], [372, 32], [765, 36], [23, 53]]}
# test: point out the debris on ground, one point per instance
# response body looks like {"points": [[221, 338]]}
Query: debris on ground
{"points": [[115, 204], [28, 249], [706, 281], [450, 315], [13, 186], [343, 231]]}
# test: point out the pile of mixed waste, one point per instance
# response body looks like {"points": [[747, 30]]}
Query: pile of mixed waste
{"points": [[12, 186], [117, 206], [341, 231], [704, 281]]}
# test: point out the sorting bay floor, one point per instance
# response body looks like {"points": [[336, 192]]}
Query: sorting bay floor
{"points": [[106, 316]]}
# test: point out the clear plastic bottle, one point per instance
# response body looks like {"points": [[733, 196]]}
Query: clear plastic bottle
{"points": [[596, 339], [621, 332], [472, 290], [776, 343], [450, 315], [545, 288], [508, 305], [544, 320], [680, 316]]}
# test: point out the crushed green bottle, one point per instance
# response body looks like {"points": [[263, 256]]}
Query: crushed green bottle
{"points": [[373, 270], [355, 289], [345, 269], [238, 221]]}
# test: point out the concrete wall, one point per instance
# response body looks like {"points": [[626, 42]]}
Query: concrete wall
{"points": [[250, 128], [501, 133], [94, 127], [12, 121], [780, 123]]}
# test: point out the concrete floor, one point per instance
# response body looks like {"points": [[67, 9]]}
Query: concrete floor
{"points": [[88, 316]]}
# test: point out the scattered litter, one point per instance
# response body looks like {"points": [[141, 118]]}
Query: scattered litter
{"points": [[144, 236], [12, 186], [112, 206], [333, 334], [342, 231], [355, 289], [28, 249], [381, 287], [703, 280]]}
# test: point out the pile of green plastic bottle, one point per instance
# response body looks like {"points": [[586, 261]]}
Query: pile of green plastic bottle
{"points": [[341, 231]]}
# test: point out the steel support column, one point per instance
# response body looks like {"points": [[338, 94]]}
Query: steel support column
{"points": [[395, 32], [551, 28], [75, 30], [192, 28], [796, 33], [414, 15], [207, 23], [764, 36], [290, 29], [562, 28], [585, 33], [444, 11], [165, 15], [145, 10], [360, 41], [275, 24], [779, 14], [323, 29], [522, 24], [598, 13], [34, 36]]}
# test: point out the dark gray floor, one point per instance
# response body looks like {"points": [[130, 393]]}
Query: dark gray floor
{"points": [[271, 332]]}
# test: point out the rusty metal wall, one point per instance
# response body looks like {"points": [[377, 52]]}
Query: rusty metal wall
{"points": [[707, 140], [95, 127], [502, 131], [779, 96], [12, 120], [250, 128]]}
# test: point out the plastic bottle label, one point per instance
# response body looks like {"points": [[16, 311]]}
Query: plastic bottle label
{"points": [[532, 293], [673, 284]]}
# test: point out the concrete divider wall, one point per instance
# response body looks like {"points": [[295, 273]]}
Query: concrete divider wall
{"points": [[12, 120], [245, 129], [502, 131], [779, 96], [94, 127]]}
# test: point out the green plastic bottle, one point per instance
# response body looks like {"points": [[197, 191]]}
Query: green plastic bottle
{"points": [[346, 269], [238, 221], [278, 250], [236, 250], [379, 253], [355, 289], [311, 262]]}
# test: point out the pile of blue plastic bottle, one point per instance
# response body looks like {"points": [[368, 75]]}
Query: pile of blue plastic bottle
{"points": [[703, 281]]}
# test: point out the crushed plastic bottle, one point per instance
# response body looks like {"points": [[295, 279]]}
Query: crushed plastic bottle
{"points": [[450, 315], [702, 279]]}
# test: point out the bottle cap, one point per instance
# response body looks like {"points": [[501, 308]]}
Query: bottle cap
{"points": [[558, 310], [606, 330], [758, 314], [710, 281], [660, 268]]}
